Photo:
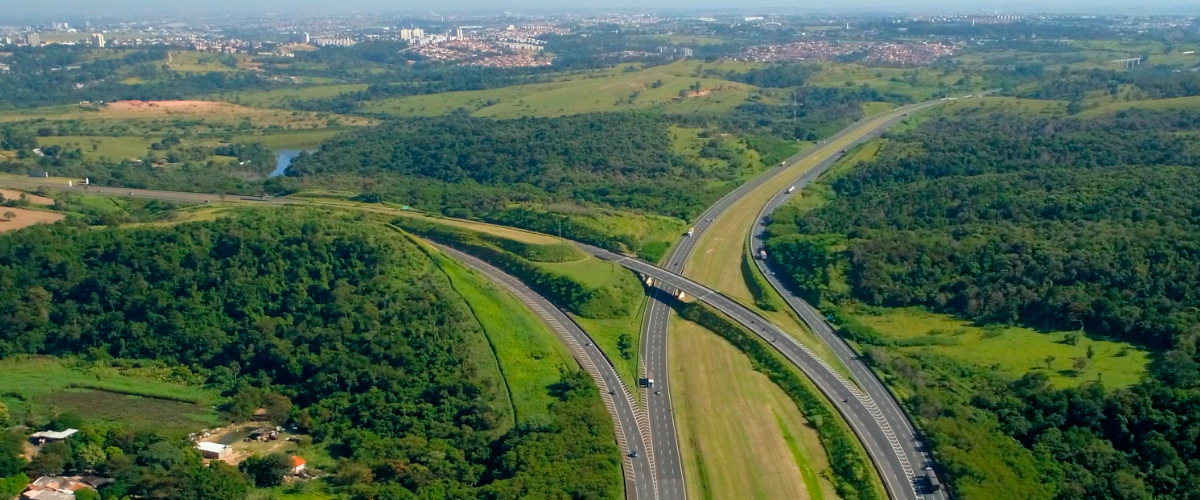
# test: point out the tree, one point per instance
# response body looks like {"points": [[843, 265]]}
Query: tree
{"points": [[13, 485], [52, 460], [91, 455], [625, 344], [1050, 361], [10, 215], [12, 449], [218, 481], [87, 494], [278, 407], [267, 471]]}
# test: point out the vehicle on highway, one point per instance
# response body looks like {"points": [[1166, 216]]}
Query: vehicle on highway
{"points": [[790, 189], [932, 479], [762, 254], [632, 453], [691, 231]]}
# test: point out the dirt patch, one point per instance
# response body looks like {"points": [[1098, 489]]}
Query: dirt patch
{"points": [[25, 218], [234, 436], [153, 106], [10, 194]]}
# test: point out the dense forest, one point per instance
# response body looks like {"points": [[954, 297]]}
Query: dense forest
{"points": [[621, 160], [1055, 223], [352, 336]]}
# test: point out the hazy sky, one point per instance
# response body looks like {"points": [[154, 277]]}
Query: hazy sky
{"points": [[127, 7]]}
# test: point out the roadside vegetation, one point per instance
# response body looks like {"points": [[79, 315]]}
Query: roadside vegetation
{"points": [[1004, 228]]}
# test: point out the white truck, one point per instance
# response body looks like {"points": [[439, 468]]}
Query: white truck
{"points": [[790, 189], [691, 231]]}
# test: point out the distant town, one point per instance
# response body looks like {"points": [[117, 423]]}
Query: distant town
{"points": [[521, 41]]}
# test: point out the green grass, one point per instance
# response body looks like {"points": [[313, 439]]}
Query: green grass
{"points": [[531, 358], [741, 435], [299, 139], [607, 332], [1151, 104], [811, 480], [281, 97], [874, 108], [1013, 351], [992, 104], [918, 83], [40, 385], [654, 233], [95, 148], [590, 271], [610, 90], [186, 61]]}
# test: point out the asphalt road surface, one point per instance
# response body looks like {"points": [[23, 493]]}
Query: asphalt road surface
{"points": [[660, 451], [654, 329], [857, 407], [639, 481], [905, 434]]}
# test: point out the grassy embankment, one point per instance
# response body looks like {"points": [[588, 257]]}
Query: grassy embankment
{"points": [[530, 357], [604, 298], [740, 435]]}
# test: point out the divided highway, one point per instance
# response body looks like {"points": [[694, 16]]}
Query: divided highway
{"points": [[906, 436], [857, 407], [886, 403], [654, 330], [657, 472], [639, 483]]}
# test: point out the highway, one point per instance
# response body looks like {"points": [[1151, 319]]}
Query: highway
{"points": [[870, 383], [861, 413], [663, 475], [627, 421], [654, 329]]}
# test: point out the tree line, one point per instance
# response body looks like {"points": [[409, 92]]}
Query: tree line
{"points": [[1055, 223], [350, 328]]}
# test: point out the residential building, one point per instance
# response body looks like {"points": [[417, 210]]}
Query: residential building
{"points": [[298, 465], [97, 40], [53, 488], [33, 39]]}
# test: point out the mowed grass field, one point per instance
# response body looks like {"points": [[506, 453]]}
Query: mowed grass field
{"points": [[740, 436], [41, 384], [530, 356], [612, 90], [1014, 351]]}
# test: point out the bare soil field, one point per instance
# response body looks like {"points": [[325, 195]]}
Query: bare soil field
{"points": [[25, 218], [10, 194]]}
